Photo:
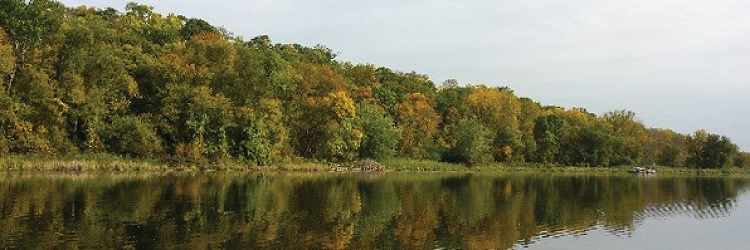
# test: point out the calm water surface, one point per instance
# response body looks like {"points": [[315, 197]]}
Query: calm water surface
{"points": [[383, 211]]}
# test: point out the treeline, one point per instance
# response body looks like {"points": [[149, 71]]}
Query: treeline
{"points": [[147, 85]]}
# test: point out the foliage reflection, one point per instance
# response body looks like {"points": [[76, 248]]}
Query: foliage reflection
{"points": [[302, 211]]}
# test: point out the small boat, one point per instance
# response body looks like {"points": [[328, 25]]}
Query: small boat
{"points": [[642, 170]]}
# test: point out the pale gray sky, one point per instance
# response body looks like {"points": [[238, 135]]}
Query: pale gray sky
{"points": [[680, 64]]}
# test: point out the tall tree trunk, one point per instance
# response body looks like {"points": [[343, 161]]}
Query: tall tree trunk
{"points": [[12, 77], [19, 52]]}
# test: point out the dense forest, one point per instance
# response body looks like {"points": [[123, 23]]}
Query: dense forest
{"points": [[146, 85]]}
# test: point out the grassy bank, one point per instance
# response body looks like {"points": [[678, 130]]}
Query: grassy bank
{"points": [[107, 162], [411, 165], [79, 162], [93, 162]]}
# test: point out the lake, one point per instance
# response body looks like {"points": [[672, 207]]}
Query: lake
{"points": [[368, 211]]}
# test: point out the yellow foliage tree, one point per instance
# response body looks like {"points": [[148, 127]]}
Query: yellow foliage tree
{"points": [[418, 123], [496, 109], [324, 121], [7, 60], [579, 116], [270, 117], [499, 111]]}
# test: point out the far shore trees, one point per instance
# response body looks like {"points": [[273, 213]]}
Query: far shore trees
{"points": [[141, 84]]}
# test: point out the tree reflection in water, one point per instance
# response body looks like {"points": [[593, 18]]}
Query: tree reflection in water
{"points": [[335, 211]]}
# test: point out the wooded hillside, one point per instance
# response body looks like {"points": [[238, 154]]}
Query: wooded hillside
{"points": [[147, 85]]}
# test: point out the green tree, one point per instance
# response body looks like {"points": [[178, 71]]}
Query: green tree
{"points": [[670, 155], [251, 141], [196, 122], [473, 143], [195, 26], [264, 72], [718, 151], [589, 146], [530, 111], [548, 132], [451, 104], [18, 134], [27, 25], [630, 134], [379, 134], [95, 76], [361, 79], [37, 89], [260, 134], [742, 160], [708, 150], [664, 147], [132, 136], [396, 86]]}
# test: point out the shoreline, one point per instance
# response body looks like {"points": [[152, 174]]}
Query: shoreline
{"points": [[112, 163]]}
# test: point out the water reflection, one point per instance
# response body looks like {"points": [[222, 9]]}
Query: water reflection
{"points": [[322, 211]]}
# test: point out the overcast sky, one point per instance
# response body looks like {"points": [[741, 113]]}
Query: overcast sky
{"points": [[679, 64]]}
